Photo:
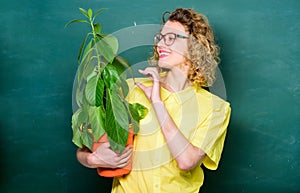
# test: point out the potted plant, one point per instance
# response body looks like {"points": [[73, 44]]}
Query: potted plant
{"points": [[101, 89]]}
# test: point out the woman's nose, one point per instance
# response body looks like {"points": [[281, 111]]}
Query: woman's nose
{"points": [[161, 42]]}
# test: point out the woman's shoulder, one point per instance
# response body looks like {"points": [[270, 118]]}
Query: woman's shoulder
{"points": [[206, 97]]}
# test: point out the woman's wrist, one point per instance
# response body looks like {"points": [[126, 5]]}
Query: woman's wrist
{"points": [[158, 101], [159, 106], [161, 111], [95, 161], [90, 160]]}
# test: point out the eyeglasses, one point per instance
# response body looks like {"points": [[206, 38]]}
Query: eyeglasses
{"points": [[169, 38]]}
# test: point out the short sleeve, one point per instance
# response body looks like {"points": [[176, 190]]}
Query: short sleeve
{"points": [[210, 134], [136, 95]]}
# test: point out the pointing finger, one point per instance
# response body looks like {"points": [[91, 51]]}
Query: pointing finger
{"points": [[141, 85]]}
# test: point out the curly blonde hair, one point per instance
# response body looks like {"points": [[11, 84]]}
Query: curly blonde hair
{"points": [[203, 53]]}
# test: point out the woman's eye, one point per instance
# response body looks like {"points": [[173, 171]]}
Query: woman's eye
{"points": [[170, 38]]}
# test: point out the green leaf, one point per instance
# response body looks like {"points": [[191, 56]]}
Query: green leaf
{"points": [[108, 47], [81, 128], [87, 139], [91, 89], [110, 76], [90, 76], [86, 66], [75, 124], [77, 138], [88, 47], [117, 123], [97, 28], [76, 21], [118, 83], [97, 12], [79, 122], [94, 90], [135, 126], [97, 121], [79, 96], [88, 52], [141, 111], [117, 63], [124, 88], [82, 46], [84, 12], [118, 108], [90, 13], [134, 123], [121, 69], [113, 80], [126, 65], [118, 139], [117, 120], [137, 112]]}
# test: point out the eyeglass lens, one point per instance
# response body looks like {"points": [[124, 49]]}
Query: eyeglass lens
{"points": [[169, 38]]}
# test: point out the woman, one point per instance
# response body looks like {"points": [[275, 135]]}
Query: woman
{"points": [[185, 126]]}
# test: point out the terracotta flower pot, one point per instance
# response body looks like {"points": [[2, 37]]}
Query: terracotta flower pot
{"points": [[109, 172]]}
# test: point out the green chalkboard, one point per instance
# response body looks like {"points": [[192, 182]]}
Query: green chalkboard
{"points": [[260, 70]]}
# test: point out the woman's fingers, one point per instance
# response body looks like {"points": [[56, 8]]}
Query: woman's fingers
{"points": [[126, 153], [113, 159], [150, 72], [152, 92], [141, 86], [146, 90], [125, 157]]}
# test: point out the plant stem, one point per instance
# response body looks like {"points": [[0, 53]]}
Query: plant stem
{"points": [[95, 42]]}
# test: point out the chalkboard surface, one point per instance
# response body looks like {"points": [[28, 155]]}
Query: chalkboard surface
{"points": [[260, 69]]}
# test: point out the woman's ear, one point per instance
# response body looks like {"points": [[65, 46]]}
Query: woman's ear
{"points": [[188, 62], [187, 65]]}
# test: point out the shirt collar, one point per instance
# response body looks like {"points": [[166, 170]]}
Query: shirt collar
{"points": [[180, 96]]}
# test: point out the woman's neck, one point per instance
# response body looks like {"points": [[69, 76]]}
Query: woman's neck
{"points": [[175, 80]]}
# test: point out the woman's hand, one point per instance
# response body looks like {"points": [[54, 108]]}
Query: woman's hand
{"points": [[104, 157], [107, 158], [151, 92]]}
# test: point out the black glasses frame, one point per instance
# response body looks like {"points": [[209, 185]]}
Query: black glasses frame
{"points": [[158, 37]]}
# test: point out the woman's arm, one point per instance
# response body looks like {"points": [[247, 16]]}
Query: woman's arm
{"points": [[103, 157], [187, 156]]}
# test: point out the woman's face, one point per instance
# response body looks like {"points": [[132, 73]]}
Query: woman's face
{"points": [[171, 56]]}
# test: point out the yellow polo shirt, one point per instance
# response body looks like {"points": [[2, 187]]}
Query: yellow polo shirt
{"points": [[201, 116]]}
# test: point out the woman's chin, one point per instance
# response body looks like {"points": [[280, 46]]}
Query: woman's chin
{"points": [[163, 64]]}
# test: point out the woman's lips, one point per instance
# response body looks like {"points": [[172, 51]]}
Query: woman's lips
{"points": [[164, 53]]}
